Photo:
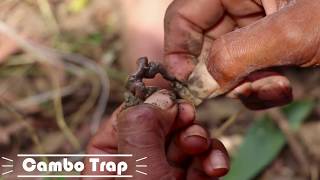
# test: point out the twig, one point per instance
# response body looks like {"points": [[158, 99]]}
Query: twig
{"points": [[59, 112], [35, 138], [4, 88], [219, 132], [104, 81], [87, 105], [54, 62], [46, 11], [53, 57], [45, 96], [296, 148]]}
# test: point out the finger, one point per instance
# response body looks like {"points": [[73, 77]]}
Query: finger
{"points": [[104, 142], [196, 171], [216, 163], [142, 132], [107, 129], [247, 20], [263, 90], [276, 40], [242, 7], [185, 22], [186, 115], [191, 141], [227, 24], [272, 6], [213, 164]]}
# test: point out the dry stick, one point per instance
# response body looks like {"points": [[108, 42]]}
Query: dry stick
{"points": [[296, 148], [104, 81], [46, 11], [87, 105], [45, 96], [44, 59], [35, 138], [57, 101], [44, 54], [219, 132], [3, 89]]}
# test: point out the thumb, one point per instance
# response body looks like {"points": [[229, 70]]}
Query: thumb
{"points": [[142, 132], [285, 38]]}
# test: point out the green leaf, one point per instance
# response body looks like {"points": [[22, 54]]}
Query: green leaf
{"points": [[264, 141]]}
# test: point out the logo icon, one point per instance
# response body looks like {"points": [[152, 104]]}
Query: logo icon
{"points": [[8, 167], [69, 166]]}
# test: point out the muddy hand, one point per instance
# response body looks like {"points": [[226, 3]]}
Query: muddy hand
{"points": [[219, 46], [164, 131]]}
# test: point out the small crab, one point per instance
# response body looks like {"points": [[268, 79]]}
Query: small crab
{"points": [[138, 91]]}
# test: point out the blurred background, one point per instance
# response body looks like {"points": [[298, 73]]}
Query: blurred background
{"points": [[63, 66]]}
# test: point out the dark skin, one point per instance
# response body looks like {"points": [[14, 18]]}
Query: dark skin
{"points": [[184, 149], [244, 37], [282, 32], [164, 130]]}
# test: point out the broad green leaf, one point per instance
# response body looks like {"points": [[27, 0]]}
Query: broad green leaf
{"points": [[264, 141]]}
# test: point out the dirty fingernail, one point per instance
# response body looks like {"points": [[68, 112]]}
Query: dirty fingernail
{"points": [[186, 113], [194, 140], [164, 99], [195, 130]]}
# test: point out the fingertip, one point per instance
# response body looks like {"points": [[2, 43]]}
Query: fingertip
{"points": [[185, 62], [186, 114], [243, 90], [272, 87], [137, 115], [262, 90], [157, 113], [277, 93], [269, 92], [216, 163], [195, 144], [194, 140], [164, 99]]}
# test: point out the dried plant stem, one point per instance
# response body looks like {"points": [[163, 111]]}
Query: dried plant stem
{"points": [[104, 81], [45, 96], [50, 56], [47, 59], [59, 113], [296, 148], [19, 118], [219, 132], [87, 105], [46, 11]]}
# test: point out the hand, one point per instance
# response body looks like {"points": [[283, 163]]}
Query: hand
{"points": [[165, 132], [220, 44]]}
